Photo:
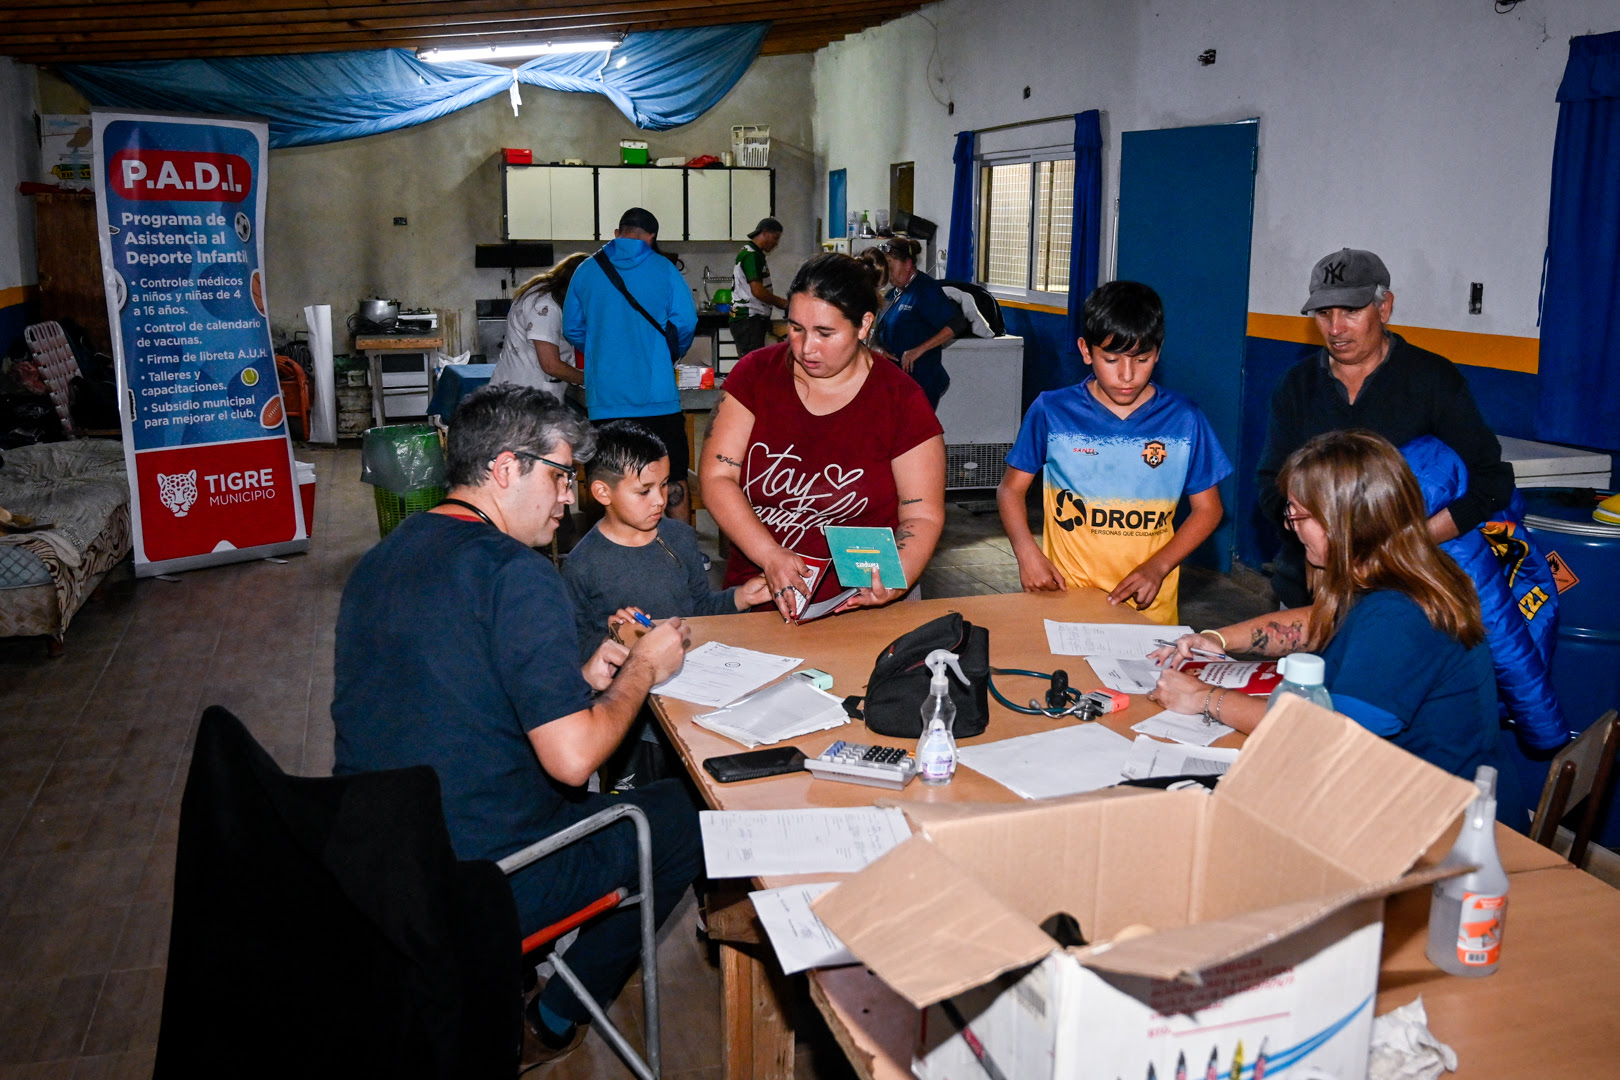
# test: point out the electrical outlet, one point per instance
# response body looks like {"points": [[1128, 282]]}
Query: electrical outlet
{"points": [[399, 221], [1476, 297]]}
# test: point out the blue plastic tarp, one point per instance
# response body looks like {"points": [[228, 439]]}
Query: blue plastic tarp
{"points": [[659, 80]]}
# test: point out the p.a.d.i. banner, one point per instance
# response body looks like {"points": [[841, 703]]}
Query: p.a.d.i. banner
{"points": [[180, 201]]}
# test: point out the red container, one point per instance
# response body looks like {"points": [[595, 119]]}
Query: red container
{"points": [[306, 493], [515, 156]]}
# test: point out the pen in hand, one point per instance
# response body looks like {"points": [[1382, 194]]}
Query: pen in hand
{"points": [[643, 620], [1202, 654]]}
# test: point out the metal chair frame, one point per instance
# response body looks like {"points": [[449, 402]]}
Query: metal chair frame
{"points": [[648, 1068]]}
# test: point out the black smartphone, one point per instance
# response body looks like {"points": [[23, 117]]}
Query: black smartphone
{"points": [[772, 761]]}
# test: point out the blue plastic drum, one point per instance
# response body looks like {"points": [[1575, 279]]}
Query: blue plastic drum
{"points": [[1585, 559]]}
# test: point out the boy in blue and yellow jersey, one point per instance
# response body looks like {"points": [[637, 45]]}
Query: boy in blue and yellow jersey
{"points": [[1117, 452]]}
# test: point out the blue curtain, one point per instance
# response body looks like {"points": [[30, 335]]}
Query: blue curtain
{"points": [[658, 80], [959, 259], [1086, 227], [1580, 320]]}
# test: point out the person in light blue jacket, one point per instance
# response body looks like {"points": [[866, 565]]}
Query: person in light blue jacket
{"points": [[630, 362]]}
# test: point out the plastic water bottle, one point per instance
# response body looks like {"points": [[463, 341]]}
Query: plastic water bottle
{"points": [[1467, 913], [1302, 674], [936, 749]]}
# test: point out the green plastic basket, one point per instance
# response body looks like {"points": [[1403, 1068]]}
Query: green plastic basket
{"points": [[393, 509]]}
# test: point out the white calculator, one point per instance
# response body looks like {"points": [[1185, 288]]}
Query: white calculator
{"points": [[879, 766]]}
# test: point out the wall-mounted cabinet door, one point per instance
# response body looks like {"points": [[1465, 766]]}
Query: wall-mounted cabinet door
{"points": [[573, 203], [663, 191], [618, 190], [528, 203], [708, 204], [750, 200]]}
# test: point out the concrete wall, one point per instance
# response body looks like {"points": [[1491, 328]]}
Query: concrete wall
{"points": [[19, 160], [330, 237], [1420, 129]]}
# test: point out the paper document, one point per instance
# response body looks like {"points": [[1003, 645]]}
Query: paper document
{"points": [[1064, 761], [1108, 639], [819, 840], [1150, 758], [1128, 675], [800, 939], [715, 674], [1187, 728], [782, 711]]}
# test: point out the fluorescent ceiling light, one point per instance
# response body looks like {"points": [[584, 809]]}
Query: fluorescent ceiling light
{"points": [[513, 52]]}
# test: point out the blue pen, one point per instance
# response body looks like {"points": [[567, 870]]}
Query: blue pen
{"points": [[643, 620]]}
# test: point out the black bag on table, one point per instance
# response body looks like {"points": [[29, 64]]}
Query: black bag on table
{"points": [[899, 683]]}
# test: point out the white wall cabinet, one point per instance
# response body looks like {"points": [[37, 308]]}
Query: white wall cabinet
{"points": [[551, 202], [583, 202], [708, 204]]}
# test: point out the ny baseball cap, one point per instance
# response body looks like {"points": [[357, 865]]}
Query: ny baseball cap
{"points": [[1347, 278], [766, 224], [637, 218]]}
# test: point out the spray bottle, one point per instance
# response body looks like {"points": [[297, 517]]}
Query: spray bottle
{"points": [[936, 749], [1467, 913]]}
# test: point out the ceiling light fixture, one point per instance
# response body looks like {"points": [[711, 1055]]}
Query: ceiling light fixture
{"points": [[513, 52]]}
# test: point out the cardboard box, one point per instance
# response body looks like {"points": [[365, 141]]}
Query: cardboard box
{"points": [[1250, 915]]}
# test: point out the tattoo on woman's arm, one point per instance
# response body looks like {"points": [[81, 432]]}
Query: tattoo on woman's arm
{"points": [[727, 461], [904, 533], [1287, 636], [908, 502]]}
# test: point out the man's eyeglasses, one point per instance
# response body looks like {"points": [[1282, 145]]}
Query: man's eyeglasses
{"points": [[569, 472]]}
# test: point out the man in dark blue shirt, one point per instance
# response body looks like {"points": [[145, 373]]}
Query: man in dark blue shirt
{"points": [[456, 648]]}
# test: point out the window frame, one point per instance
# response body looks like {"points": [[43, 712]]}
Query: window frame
{"points": [[1033, 157]]}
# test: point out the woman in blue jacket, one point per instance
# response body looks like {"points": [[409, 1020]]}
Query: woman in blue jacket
{"points": [[920, 320]]}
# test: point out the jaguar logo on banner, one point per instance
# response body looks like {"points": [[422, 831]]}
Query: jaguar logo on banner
{"points": [[180, 205]]}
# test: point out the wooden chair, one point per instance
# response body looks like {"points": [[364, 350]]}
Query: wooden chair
{"points": [[1585, 769]]}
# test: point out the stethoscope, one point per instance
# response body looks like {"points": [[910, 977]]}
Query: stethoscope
{"points": [[1061, 699]]}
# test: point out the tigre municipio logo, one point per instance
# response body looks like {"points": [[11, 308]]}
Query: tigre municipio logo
{"points": [[1153, 452], [178, 491]]}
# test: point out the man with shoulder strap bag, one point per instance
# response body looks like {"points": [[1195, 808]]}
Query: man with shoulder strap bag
{"points": [[632, 314]]}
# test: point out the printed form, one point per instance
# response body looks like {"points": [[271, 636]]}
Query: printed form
{"points": [[801, 940], [816, 840], [1064, 761], [1187, 728], [1108, 639], [715, 674]]}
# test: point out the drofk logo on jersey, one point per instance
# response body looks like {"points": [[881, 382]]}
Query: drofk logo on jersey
{"points": [[178, 491], [181, 176]]}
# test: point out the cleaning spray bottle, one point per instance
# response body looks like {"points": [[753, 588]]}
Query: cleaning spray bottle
{"points": [[1467, 913], [936, 749]]}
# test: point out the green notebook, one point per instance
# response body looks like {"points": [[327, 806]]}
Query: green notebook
{"points": [[856, 550]]}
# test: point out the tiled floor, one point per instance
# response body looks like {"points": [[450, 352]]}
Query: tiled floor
{"points": [[93, 752]]}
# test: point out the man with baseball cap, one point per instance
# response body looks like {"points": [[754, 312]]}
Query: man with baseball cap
{"points": [[751, 297], [1371, 378], [632, 314]]}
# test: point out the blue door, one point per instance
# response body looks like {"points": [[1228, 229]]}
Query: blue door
{"points": [[837, 200], [1186, 211]]}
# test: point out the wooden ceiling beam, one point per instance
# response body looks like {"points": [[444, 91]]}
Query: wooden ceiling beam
{"points": [[497, 18]]}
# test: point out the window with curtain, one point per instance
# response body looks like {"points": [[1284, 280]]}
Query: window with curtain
{"points": [[1026, 216]]}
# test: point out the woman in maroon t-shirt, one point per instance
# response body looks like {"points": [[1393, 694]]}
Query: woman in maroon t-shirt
{"points": [[812, 432]]}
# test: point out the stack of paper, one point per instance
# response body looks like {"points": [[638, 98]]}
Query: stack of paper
{"points": [[1150, 758], [1187, 728], [716, 674], [818, 840], [786, 710], [1108, 639], [800, 939], [1063, 761]]}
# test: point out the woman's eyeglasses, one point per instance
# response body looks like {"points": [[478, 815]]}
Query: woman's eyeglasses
{"points": [[1292, 517], [569, 473]]}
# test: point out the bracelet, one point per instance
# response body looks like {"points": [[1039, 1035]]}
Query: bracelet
{"points": [[1207, 696], [1218, 703], [1218, 636]]}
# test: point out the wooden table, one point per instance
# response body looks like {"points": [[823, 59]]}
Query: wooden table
{"points": [[758, 1035], [1548, 1011], [377, 346]]}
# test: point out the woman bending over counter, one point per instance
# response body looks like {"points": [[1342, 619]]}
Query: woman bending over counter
{"points": [[820, 430]]}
